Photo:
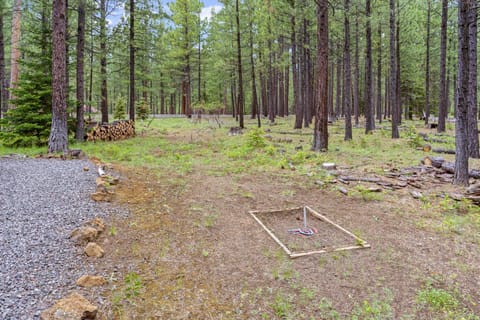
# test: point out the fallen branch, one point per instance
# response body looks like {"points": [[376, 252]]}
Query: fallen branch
{"points": [[446, 151]]}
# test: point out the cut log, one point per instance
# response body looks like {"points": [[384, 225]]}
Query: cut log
{"points": [[427, 148], [433, 161], [360, 179], [474, 189], [343, 190], [446, 151], [450, 168], [329, 166]]}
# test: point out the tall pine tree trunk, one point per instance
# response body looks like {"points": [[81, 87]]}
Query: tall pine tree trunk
{"points": [[398, 96], [239, 65], [338, 86], [320, 133], [348, 76], [103, 61], [461, 126], [254, 83], [58, 140], [131, 98], [80, 130], [356, 108], [427, 65], [3, 96], [15, 43], [442, 112], [393, 75], [379, 75], [473, 150], [331, 113], [369, 114]]}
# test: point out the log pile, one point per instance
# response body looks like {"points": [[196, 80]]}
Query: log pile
{"points": [[117, 130]]}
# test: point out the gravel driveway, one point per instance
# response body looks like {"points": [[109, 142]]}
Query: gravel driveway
{"points": [[41, 202]]}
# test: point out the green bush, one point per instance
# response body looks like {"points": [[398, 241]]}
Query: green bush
{"points": [[142, 110], [119, 111]]}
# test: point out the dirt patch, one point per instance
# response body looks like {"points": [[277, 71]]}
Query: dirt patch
{"points": [[198, 254], [301, 231]]}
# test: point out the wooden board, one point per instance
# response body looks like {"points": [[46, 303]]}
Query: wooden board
{"points": [[362, 244]]}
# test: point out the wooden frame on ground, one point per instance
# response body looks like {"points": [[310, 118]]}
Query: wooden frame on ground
{"points": [[361, 244]]}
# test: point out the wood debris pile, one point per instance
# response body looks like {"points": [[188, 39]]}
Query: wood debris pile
{"points": [[433, 170], [117, 130]]}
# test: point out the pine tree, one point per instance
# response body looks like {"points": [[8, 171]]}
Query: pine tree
{"points": [[29, 122]]}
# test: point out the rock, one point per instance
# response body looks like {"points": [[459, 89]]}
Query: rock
{"points": [[86, 168], [98, 224], [416, 194], [76, 153], [88, 281], [94, 250], [329, 166], [72, 307], [84, 234], [102, 196]]}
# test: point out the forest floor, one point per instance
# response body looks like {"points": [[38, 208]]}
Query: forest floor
{"points": [[190, 250]]}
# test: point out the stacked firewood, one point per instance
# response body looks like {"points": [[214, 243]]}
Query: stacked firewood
{"points": [[117, 130]]}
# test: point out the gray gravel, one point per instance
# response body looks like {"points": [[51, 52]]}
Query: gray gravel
{"points": [[41, 202]]}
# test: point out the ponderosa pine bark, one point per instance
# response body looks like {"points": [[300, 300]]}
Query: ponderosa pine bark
{"points": [[379, 74], [393, 75], [398, 97], [427, 64], [255, 110], [348, 75], [320, 133], [15, 43], [3, 96], [338, 86], [369, 116], [473, 144], [356, 91], [331, 114], [239, 66], [131, 98], [80, 129], [58, 140], [461, 125], [103, 61], [442, 110]]}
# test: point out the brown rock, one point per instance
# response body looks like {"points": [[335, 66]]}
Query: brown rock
{"points": [[72, 307], [84, 234], [90, 281], [98, 224], [100, 181], [94, 250], [86, 168], [102, 196]]}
